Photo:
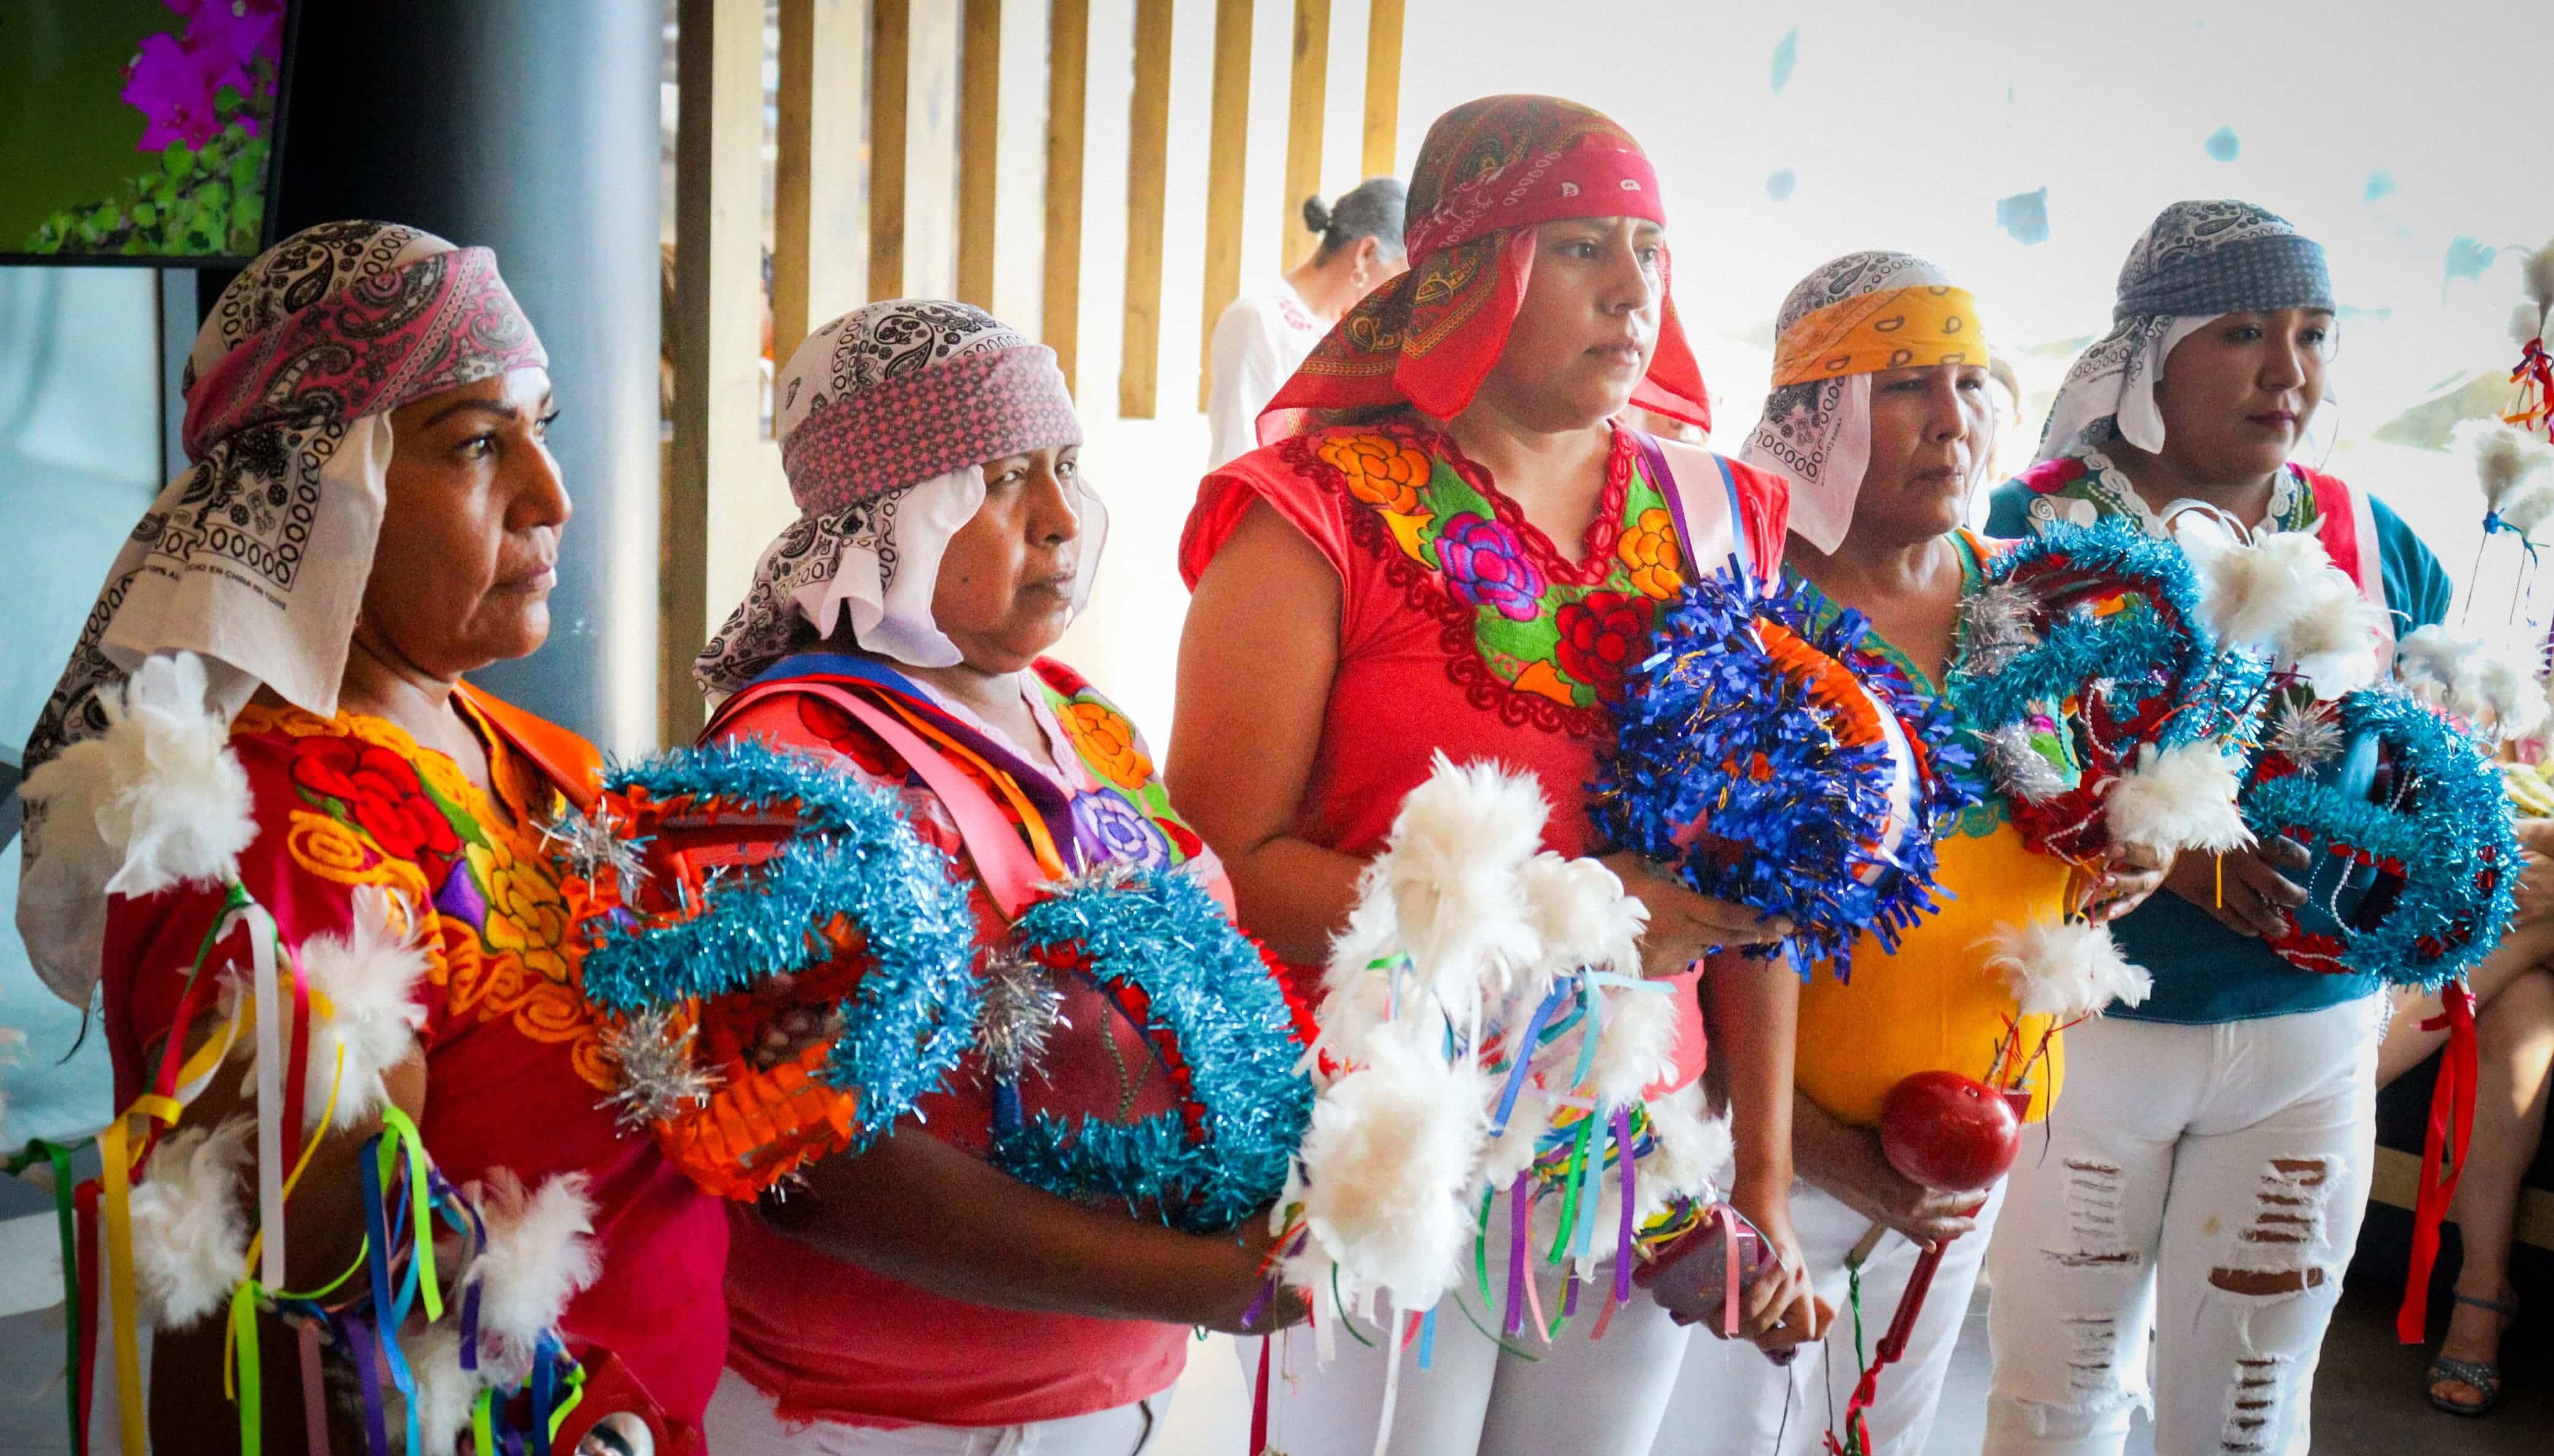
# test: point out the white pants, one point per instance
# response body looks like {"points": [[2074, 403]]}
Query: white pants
{"points": [[1580, 1396], [743, 1421], [2205, 1181], [1731, 1398]]}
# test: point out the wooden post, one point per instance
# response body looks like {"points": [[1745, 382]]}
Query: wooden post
{"points": [[820, 203], [979, 127], [1228, 144], [1067, 69], [1308, 86], [1147, 178], [890, 43], [1384, 88], [717, 287]]}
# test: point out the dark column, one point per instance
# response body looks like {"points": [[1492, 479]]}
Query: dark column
{"points": [[530, 127]]}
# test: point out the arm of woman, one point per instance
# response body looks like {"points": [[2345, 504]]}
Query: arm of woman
{"points": [[915, 1209], [1257, 659], [1847, 1162], [1750, 1009]]}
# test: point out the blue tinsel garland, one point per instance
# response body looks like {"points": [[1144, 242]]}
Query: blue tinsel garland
{"points": [[913, 1015], [2451, 834], [1160, 932], [2160, 646], [1713, 730]]}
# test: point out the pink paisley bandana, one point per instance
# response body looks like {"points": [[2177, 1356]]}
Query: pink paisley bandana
{"points": [[385, 340], [885, 417], [927, 422]]}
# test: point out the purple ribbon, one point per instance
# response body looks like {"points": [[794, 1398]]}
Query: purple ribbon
{"points": [[359, 1349], [1623, 1244]]}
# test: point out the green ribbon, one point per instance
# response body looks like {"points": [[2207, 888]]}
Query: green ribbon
{"points": [[59, 1157]]}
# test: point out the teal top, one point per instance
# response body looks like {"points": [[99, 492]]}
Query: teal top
{"points": [[2204, 973]]}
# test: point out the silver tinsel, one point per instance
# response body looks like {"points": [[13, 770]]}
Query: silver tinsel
{"points": [[2304, 737], [1022, 1009], [659, 1076], [2019, 767], [1995, 628], [590, 845]]}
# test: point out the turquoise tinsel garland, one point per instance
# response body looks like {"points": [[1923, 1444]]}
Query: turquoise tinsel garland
{"points": [[913, 1015], [1204, 985], [2447, 835]]}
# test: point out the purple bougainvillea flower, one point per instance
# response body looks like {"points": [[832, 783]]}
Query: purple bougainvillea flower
{"points": [[244, 31], [1485, 565], [173, 87]]}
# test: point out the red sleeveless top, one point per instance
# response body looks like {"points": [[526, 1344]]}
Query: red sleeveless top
{"points": [[1462, 628]]}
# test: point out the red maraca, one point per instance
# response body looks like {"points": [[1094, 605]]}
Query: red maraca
{"points": [[1948, 1132], [1953, 1134]]}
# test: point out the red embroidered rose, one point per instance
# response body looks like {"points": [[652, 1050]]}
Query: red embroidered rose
{"points": [[848, 737], [1601, 635], [381, 794], [1182, 839]]}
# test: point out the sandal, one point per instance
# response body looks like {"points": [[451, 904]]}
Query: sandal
{"points": [[2482, 1375]]}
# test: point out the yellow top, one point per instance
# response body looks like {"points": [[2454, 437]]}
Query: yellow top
{"points": [[1934, 1005]]}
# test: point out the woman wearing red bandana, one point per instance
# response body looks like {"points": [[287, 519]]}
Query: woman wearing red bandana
{"points": [[1450, 544]]}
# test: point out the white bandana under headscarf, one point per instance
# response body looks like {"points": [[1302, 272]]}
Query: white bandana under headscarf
{"points": [[2198, 262], [876, 561], [1816, 433]]}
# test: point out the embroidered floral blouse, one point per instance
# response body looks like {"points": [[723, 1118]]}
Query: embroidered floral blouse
{"points": [[1463, 627], [515, 1071]]}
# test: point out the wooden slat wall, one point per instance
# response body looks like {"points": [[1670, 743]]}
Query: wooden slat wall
{"points": [[1147, 178], [718, 283], [820, 200], [1307, 90], [890, 46], [1384, 88], [978, 168], [1068, 70], [1228, 140]]}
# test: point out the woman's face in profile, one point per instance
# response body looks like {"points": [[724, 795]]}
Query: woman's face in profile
{"points": [[469, 544], [1007, 580]]}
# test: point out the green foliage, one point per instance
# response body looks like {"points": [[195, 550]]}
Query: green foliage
{"points": [[195, 202]]}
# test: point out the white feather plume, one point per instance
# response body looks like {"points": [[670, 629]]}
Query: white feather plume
{"points": [[156, 801], [2538, 272], [161, 786], [2252, 593], [541, 1253], [2490, 679], [2504, 457], [191, 1223], [1637, 1047], [1451, 869], [1384, 1168], [1696, 1153], [1511, 1151], [2335, 644], [1581, 916], [2178, 798], [444, 1391], [2065, 970], [370, 976], [2531, 507], [2526, 325]]}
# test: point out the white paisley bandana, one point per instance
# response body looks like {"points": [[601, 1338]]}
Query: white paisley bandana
{"points": [[953, 378], [2198, 262]]}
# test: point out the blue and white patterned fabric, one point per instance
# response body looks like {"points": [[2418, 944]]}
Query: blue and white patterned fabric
{"points": [[2199, 261]]}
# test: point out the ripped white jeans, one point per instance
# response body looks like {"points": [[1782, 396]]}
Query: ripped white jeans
{"points": [[2204, 1182]]}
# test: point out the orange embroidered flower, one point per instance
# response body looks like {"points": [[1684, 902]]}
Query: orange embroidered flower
{"points": [[1381, 471], [526, 914], [1108, 741], [1649, 548]]}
